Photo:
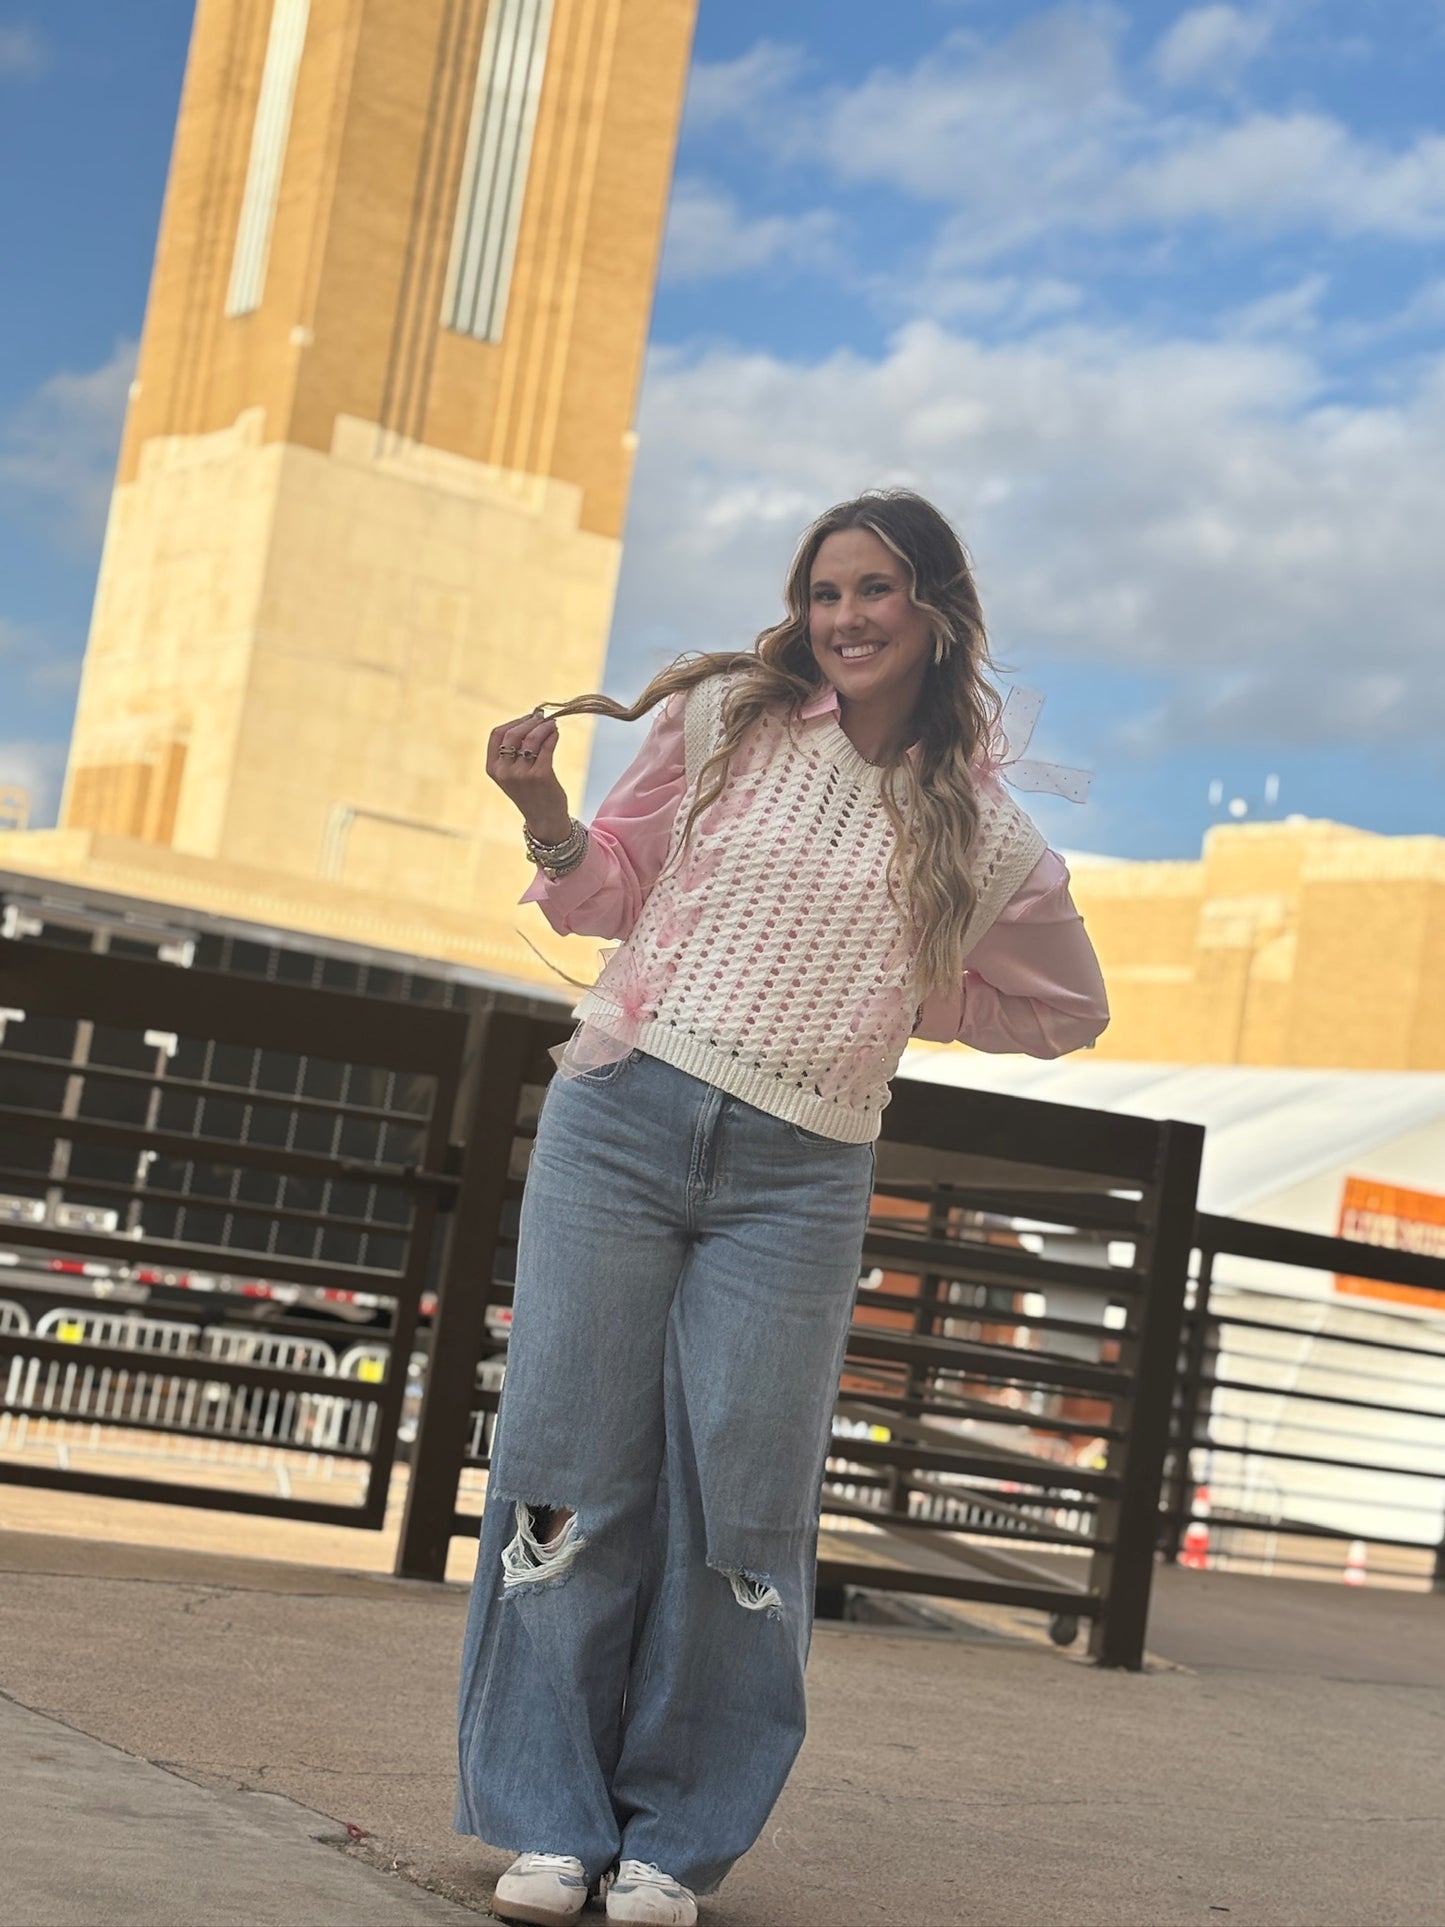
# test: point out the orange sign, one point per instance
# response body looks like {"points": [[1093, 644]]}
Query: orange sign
{"points": [[1397, 1220]]}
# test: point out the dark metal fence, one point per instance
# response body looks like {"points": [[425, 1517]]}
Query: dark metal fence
{"points": [[509, 1069], [1007, 1405], [1002, 1423], [929, 1492], [171, 1121], [1309, 1423]]}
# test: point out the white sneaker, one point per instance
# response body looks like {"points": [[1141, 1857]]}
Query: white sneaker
{"points": [[640, 1891], [543, 1889]]}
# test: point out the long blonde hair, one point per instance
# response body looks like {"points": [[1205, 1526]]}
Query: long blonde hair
{"points": [[930, 796]]}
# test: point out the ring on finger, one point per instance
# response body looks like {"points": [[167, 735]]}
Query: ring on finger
{"points": [[529, 755], [506, 751]]}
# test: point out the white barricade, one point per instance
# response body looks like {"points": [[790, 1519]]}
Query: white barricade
{"points": [[129, 1331], [284, 1353], [490, 1373], [163, 1402]]}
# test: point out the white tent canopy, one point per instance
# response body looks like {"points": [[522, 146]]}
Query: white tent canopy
{"points": [[1278, 1143], [1278, 1147]]}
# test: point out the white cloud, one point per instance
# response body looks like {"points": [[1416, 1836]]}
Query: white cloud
{"points": [[1287, 311], [708, 236], [1210, 44], [1425, 308], [1044, 132], [59, 447], [1196, 513], [22, 52], [942, 295], [728, 90], [38, 768], [1029, 123], [1422, 313], [1273, 171]]}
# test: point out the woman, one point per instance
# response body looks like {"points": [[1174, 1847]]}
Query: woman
{"points": [[810, 860]]}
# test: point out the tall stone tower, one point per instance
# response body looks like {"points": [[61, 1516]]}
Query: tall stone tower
{"points": [[376, 459]]}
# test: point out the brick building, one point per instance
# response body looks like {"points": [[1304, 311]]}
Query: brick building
{"points": [[1298, 942]]}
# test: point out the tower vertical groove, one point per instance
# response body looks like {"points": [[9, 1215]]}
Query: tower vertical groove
{"points": [[404, 397]]}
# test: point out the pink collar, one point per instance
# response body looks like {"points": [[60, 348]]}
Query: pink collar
{"points": [[825, 703]]}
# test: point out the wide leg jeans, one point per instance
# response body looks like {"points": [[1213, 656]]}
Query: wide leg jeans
{"points": [[633, 1687]]}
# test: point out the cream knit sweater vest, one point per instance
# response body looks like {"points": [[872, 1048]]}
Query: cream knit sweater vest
{"points": [[769, 959]]}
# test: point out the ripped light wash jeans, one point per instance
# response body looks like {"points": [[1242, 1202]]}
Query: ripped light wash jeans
{"points": [[633, 1687]]}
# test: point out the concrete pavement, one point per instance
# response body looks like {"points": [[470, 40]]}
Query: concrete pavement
{"points": [[1282, 1771], [98, 1838]]}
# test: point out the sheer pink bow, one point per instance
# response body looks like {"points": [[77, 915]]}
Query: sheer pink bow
{"points": [[1005, 756], [595, 1043]]}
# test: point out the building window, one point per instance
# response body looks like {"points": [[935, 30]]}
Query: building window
{"points": [[268, 151], [494, 174]]}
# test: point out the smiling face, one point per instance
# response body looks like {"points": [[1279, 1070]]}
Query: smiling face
{"points": [[871, 641]]}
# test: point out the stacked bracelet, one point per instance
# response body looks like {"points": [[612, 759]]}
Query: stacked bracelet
{"points": [[558, 859]]}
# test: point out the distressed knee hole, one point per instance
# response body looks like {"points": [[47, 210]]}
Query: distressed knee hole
{"points": [[754, 1593], [542, 1550]]}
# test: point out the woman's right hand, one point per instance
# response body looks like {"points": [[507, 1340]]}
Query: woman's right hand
{"points": [[519, 762]]}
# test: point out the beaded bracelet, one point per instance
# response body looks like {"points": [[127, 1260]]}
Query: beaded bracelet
{"points": [[551, 852], [558, 859], [557, 867]]}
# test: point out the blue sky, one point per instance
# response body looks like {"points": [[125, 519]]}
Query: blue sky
{"points": [[1149, 297]]}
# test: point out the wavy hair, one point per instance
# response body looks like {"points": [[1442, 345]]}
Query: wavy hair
{"points": [[930, 796]]}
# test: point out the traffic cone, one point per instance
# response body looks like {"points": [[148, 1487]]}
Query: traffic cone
{"points": [[1195, 1551], [1354, 1572]]}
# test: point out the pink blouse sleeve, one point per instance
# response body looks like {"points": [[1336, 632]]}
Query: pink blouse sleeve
{"points": [[628, 842], [1032, 983]]}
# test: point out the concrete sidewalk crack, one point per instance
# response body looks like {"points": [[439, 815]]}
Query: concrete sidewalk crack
{"points": [[301, 1766]]}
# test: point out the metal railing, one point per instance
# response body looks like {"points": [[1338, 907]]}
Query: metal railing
{"points": [[509, 1070], [960, 1447], [1003, 1418], [1308, 1420], [1014, 1400], [204, 1124]]}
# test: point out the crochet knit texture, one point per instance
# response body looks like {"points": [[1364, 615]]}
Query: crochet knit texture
{"points": [[769, 958]]}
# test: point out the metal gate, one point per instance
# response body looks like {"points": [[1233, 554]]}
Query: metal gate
{"points": [[1002, 1421], [274, 1140], [964, 1377]]}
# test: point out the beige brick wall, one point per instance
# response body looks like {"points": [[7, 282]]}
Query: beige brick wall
{"points": [[1303, 942], [332, 638]]}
